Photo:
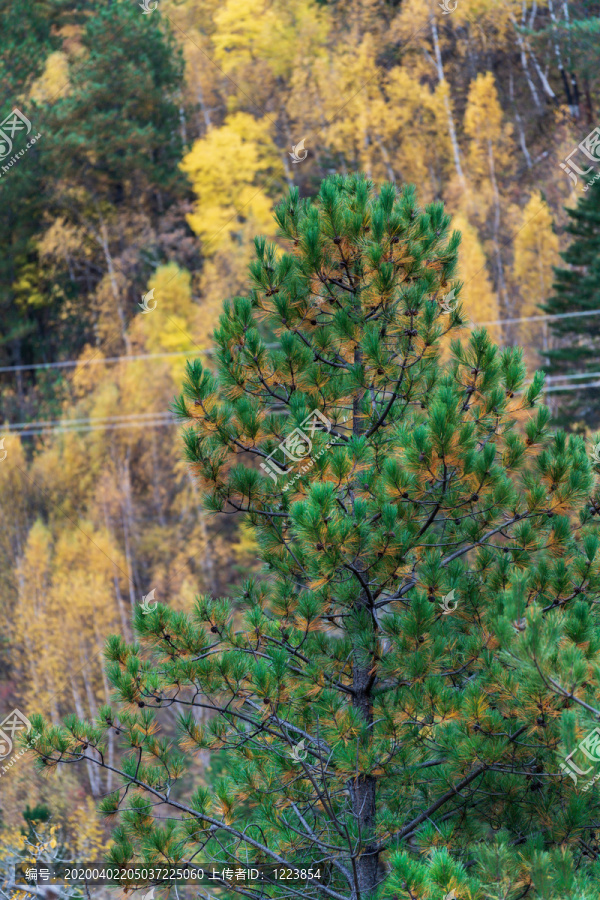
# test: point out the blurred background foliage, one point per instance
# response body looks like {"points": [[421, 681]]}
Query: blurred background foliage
{"points": [[166, 139]]}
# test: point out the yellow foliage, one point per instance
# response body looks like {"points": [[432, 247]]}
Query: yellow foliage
{"points": [[247, 546], [87, 838], [477, 296], [108, 301], [492, 13], [63, 612], [536, 253], [226, 168], [60, 241], [490, 140], [169, 327], [77, 837], [271, 31], [223, 275], [53, 81]]}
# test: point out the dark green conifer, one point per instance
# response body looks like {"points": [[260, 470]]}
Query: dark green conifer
{"points": [[577, 290]]}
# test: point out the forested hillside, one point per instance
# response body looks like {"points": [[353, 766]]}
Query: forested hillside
{"points": [[168, 130]]}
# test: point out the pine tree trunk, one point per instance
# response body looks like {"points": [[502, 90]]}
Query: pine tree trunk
{"points": [[363, 787], [363, 794]]}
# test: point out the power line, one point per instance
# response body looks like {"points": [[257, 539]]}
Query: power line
{"points": [[573, 387], [571, 377], [573, 315], [73, 363], [162, 419], [95, 361], [23, 426], [156, 423]]}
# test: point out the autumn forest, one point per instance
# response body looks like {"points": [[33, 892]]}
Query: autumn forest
{"points": [[168, 131]]}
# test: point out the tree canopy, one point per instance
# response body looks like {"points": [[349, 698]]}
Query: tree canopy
{"points": [[397, 697]]}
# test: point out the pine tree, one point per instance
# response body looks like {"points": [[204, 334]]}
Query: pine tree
{"points": [[105, 168], [25, 43], [577, 290], [395, 696], [125, 144]]}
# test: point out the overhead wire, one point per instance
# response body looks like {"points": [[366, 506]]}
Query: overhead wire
{"points": [[99, 360], [109, 426], [155, 420], [571, 315], [161, 419]]}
